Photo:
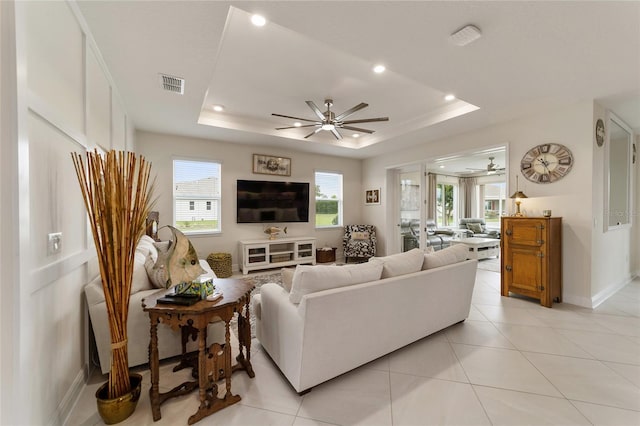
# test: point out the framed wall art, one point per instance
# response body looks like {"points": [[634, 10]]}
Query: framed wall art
{"points": [[372, 196], [270, 165]]}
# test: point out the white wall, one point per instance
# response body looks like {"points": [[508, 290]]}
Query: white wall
{"points": [[571, 197], [236, 161], [612, 250], [64, 102]]}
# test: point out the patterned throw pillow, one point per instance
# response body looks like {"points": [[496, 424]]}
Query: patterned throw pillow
{"points": [[359, 235], [475, 227]]}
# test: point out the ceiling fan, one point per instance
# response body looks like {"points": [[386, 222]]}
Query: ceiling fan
{"points": [[331, 122], [491, 169]]}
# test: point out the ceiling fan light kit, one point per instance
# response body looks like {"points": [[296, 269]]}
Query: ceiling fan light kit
{"points": [[329, 121]]}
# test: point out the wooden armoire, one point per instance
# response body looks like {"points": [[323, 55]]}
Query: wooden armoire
{"points": [[531, 257]]}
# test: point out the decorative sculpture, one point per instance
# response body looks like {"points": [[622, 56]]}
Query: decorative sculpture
{"points": [[273, 231]]}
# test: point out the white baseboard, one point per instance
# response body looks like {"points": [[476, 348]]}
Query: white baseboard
{"points": [[71, 397], [606, 293]]}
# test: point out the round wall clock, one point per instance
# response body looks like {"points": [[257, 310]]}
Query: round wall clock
{"points": [[600, 132], [546, 163]]}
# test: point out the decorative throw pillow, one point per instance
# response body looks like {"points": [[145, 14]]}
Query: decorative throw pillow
{"points": [[359, 235], [475, 227], [287, 278], [453, 254], [401, 263], [140, 280], [310, 279], [156, 272]]}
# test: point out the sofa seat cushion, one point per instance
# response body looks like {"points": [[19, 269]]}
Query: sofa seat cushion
{"points": [[401, 263], [454, 254], [310, 279]]}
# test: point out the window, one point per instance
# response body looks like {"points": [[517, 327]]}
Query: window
{"points": [[446, 202], [494, 201], [196, 196], [328, 199]]}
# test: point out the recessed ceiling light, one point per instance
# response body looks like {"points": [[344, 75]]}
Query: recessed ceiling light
{"points": [[258, 20], [441, 166], [465, 35], [355, 135], [379, 69], [449, 97], [218, 108], [297, 124]]}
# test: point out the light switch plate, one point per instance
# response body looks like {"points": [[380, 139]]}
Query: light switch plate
{"points": [[54, 244]]}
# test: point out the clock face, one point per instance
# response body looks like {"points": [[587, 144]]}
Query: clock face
{"points": [[546, 163]]}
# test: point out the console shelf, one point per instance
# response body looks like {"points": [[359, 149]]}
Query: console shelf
{"points": [[265, 254]]}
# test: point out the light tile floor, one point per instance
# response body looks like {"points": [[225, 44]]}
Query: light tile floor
{"points": [[512, 362]]}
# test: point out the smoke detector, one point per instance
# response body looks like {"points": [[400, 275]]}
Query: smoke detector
{"points": [[171, 83], [465, 35]]}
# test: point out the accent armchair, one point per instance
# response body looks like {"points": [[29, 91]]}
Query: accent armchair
{"points": [[359, 242]]}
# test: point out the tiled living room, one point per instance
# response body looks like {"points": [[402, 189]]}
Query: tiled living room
{"points": [[481, 102]]}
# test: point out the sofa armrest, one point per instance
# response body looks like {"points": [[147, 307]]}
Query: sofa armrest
{"points": [[93, 291], [280, 328]]}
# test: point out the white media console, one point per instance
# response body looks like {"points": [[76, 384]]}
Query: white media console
{"points": [[265, 254]]}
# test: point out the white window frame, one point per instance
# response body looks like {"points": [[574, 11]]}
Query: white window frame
{"points": [[216, 199], [339, 199]]}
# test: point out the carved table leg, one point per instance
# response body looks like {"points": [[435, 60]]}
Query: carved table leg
{"points": [[209, 401], [154, 366], [244, 339]]}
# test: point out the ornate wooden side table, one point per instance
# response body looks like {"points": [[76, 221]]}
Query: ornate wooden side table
{"points": [[213, 361]]}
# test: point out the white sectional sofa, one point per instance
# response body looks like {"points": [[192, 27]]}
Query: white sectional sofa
{"points": [[326, 325], [169, 341]]}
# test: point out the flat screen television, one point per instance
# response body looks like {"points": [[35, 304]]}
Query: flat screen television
{"points": [[272, 202]]}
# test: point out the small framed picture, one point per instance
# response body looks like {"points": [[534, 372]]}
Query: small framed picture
{"points": [[372, 196], [270, 165]]}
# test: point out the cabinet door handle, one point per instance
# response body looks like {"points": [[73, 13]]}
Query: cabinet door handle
{"points": [[508, 232], [508, 268], [540, 242]]}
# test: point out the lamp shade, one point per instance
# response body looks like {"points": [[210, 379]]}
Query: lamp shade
{"points": [[518, 194]]}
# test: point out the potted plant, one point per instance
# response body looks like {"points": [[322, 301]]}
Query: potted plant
{"points": [[116, 191]]}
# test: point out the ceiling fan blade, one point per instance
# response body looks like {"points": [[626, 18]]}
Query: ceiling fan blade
{"points": [[296, 127], [351, 111], [316, 110], [336, 133], [366, 120], [295, 118], [357, 129], [314, 132]]}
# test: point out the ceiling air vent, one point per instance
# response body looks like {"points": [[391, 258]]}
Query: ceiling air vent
{"points": [[172, 84]]}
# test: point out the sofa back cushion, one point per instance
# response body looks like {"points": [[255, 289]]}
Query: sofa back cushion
{"points": [[453, 254], [287, 278], [310, 279], [401, 263]]}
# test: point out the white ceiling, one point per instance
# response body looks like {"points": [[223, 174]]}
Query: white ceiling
{"points": [[533, 56]]}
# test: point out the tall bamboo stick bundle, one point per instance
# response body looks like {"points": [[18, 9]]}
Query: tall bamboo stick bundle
{"points": [[117, 196]]}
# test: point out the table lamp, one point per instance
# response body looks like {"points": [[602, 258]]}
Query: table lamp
{"points": [[518, 195]]}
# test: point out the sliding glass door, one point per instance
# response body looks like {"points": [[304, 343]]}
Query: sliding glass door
{"points": [[410, 201]]}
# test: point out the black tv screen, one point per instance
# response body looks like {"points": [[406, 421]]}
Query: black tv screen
{"points": [[272, 202]]}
